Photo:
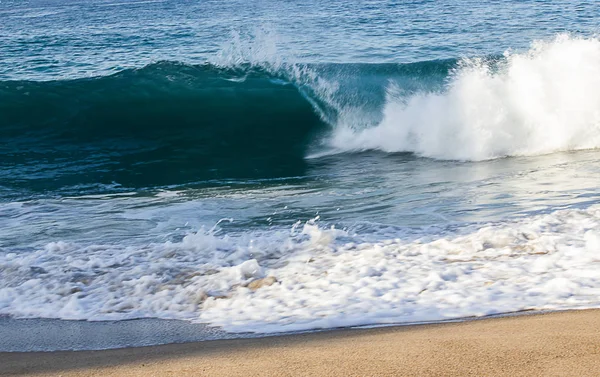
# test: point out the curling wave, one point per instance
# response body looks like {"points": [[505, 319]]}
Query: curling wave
{"points": [[171, 123], [163, 124]]}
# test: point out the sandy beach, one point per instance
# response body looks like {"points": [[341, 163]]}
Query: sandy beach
{"points": [[564, 343]]}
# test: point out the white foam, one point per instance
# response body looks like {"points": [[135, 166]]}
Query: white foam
{"points": [[326, 277], [541, 101]]}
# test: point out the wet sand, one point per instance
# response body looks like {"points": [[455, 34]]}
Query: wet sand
{"points": [[562, 344]]}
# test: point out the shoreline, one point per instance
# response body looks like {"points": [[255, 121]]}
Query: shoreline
{"points": [[51, 335], [565, 343], [54, 334]]}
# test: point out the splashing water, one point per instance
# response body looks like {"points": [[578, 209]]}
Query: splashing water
{"points": [[542, 101]]}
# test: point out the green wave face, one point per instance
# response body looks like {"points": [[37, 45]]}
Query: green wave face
{"points": [[164, 124], [170, 123]]}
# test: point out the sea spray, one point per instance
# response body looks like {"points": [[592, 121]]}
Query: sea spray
{"points": [[542, 101]]}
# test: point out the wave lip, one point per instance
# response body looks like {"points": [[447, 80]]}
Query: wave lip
{"points": [[542, 101]]}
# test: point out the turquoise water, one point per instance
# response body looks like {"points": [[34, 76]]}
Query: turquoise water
{"points": [[157, 156]]}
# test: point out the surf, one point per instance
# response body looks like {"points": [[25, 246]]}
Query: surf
{"points": [[540, 101]]}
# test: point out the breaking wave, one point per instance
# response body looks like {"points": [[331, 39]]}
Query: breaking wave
{"points": [[172, 123], [542, 101]]}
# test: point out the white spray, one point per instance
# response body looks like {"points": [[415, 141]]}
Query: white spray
{"points": [[538, 102]]}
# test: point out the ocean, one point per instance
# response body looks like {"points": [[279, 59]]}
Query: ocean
{"points": [[379, 162]]}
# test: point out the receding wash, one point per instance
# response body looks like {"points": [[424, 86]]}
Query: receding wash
{"points": [[277, 166]]}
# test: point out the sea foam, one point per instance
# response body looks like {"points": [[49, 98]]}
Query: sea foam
{"points": [[326, 277], [541, 101]]}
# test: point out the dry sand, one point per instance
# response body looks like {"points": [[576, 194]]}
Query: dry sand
{"points": [[565, 344]]}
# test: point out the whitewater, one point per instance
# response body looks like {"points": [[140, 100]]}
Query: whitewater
{"points": [[323, 277], [268, 179], [542, 101]]}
